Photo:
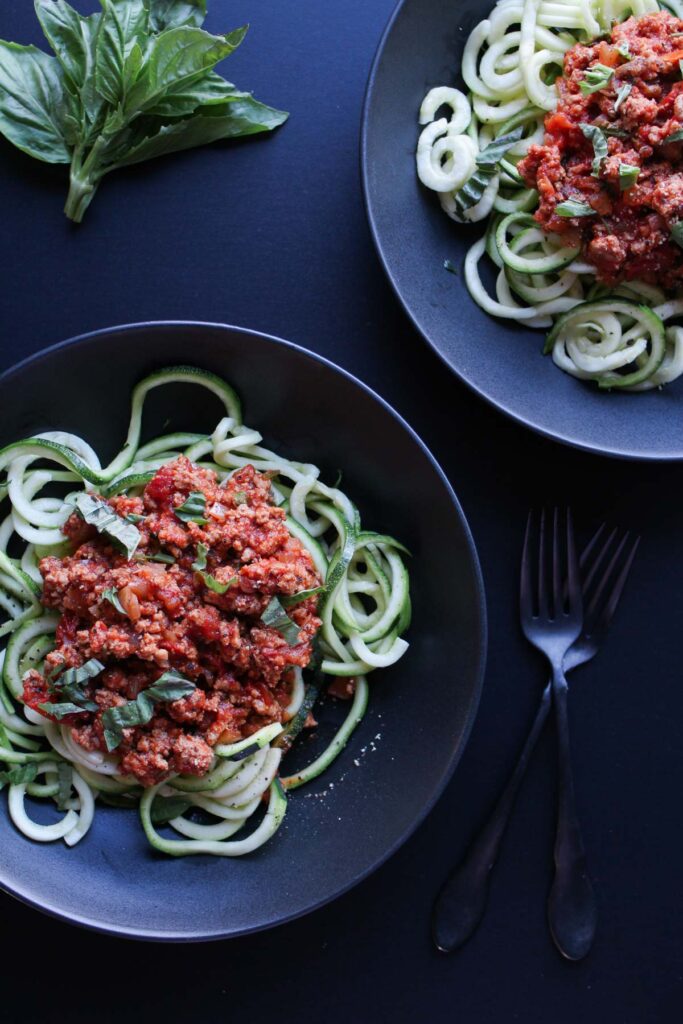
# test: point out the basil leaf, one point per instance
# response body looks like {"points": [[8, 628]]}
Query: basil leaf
{"points": [[628, 176], [596, 78], [71, 683], [161, 556], [277, 618], [71, 36], [574, 208], [622, 93], [118, 53], [165, 808], [169, 687], [64, 777], [184, 101], [674, 137], [240, 498], [615, 132], [213, 584], [99, 514], [62, 709], [290, 600], [111, 595], [450, 266], [36, 110], [496, 150], [192, 509], [133, 517], [19, 774], [624, 51], [165, 14], [245, 116], [595, 135], [200, 561], [677, 233]]}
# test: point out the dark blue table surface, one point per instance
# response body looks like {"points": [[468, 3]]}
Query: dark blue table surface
{"points": [[271, 234]]}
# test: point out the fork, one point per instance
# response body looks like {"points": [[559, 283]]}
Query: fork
{"points": [[461, 903]]}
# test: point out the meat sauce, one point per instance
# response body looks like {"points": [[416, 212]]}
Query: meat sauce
{"points": [[630, 235], [171, 619]]}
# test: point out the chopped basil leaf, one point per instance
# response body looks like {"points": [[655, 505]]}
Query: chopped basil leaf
{"points": [[624, 51], [112, 595], [192, 509], [165, 808], [200, 561], [573, 208], [473, 189], [168, 687], [133, 517], [290, 600], [63, 709], [213, 584], [596, 78], [674, 137], [240, 498], [18, 775], [450, 266], [64, 777], [496, 150], [161, 556], [615, 132], [628, 175], [622, 94], [595, 135], [677, 233], [277, 618], [125, 536]]}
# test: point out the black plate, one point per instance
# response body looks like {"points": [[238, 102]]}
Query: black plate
{"points": [[421, 710], [502, 362]]}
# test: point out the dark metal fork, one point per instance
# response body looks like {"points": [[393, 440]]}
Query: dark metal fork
{"points": [[461, 903]]}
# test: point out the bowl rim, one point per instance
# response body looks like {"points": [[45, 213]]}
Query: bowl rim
{"points": [[480, 608], [551, 435]]}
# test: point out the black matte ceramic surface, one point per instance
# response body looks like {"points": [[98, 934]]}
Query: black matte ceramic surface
{"points": [[346, 823], [500, 360]]}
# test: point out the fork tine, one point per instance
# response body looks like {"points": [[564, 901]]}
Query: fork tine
{"points": [[588, 550], [610, 607], [542, 571], [525, 584], [573, 579], [558, 575], [590, 571]]}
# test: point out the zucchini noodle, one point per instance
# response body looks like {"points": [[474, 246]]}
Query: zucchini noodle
{"points": [[364, 608], [619, 338]]}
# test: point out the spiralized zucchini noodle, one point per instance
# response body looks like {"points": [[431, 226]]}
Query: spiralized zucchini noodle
{"points": [[619, 337], [365, 609]]}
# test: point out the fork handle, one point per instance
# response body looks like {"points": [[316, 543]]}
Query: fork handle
{"points": [[572, 911], [461, 903]]}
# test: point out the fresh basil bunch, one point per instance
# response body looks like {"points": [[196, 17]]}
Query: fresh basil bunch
{"points": [[129, 83]]}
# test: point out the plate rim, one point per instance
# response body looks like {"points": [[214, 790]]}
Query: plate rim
{"points": [[570, 442], [480, 605]]}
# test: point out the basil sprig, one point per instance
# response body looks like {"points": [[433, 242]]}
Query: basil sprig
{"points": [[628, 176], [597, 138], [169, 687], [70, 685], [573, 208], [129, 83], [277, 618], [192, 509], [595, 78], [124, 536]]}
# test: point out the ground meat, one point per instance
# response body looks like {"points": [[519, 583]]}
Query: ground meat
{"points": [[629, 237], [168, 618]]}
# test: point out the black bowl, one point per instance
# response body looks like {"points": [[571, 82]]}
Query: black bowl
{"points": [[501, 361], [421, 710]]}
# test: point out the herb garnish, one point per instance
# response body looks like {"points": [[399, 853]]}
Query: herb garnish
{"points": [[64, 777], [133, 517], [675, 136], [240, 498], [288, 601], [129, 83], [622, 94], [112, 595], [161, 556], [628, 175], [573, 208], [487, 161], [450, 266], [19, 775], [277, 618], [125, 536], [677, 233], [200, 561], [596, 78], [596, 136], [70, 684], [496, 150], [166, 808], [213, 584], [169, 687], [624, 51], [192, 509]]}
